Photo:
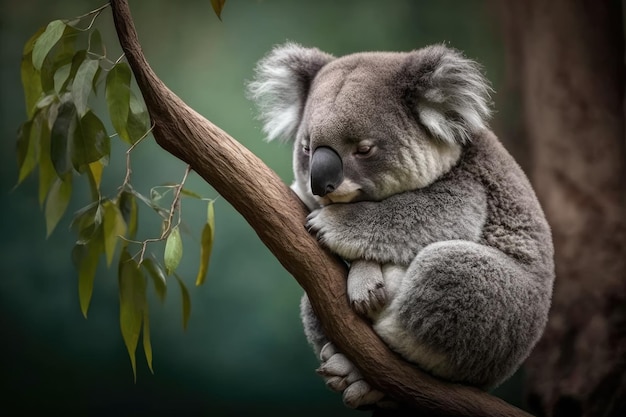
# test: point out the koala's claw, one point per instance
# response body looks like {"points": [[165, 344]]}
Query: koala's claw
{"points": [[373, 302], [360, 394], [366, 287]]}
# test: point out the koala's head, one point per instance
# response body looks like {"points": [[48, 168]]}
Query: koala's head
{"points": [[369, 125]]}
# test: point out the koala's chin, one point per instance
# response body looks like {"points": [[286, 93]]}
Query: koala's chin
{"points": [[347, 192]]}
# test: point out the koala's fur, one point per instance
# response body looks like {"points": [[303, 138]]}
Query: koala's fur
{"points": [[451, 256]]}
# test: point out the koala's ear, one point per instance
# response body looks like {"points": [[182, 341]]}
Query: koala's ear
{"points": [[448, 92], [281, 85]]}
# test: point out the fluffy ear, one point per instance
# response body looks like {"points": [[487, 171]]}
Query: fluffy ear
{"points": [[281, 85], [448, 92]]}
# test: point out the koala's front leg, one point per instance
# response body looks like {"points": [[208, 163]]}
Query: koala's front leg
{"points": [[366, 287]]}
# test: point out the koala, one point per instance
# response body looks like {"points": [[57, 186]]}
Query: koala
{"points": [[450, 254]]}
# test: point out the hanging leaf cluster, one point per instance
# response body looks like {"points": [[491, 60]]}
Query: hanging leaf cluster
{"points": [[64, 66]]}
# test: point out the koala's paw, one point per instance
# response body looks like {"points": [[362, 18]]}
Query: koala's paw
{"points": [[366, 287], [342, 376], [320, 223], [328, 224]]}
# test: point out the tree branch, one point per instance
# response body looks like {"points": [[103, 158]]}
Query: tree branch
{"points": [[278, 217]]}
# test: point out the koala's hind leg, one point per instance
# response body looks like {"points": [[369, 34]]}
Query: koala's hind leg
{"points": [[338, 371], [465, 312]]}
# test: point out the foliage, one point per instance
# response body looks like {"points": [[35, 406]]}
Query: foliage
{"points": [[64, 66]]}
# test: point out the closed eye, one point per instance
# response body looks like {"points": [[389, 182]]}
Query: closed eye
{"points": [[306, 149], [364, 150]]}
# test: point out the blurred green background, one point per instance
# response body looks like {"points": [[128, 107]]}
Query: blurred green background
{"points": [[244, 352]]}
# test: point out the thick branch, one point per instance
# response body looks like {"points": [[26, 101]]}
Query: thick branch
{"points": [[278, 217]]}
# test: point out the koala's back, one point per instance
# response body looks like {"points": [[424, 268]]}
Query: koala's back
{"points": [[515, 223], [471, 311]]}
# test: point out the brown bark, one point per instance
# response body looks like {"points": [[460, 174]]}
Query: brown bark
{"points": [[278, 217], [568, 56]]}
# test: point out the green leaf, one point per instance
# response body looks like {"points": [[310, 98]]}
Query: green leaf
{"points": [[82, 84], [63, 53], [114, 227], [30, 43], [78, 59], [173, 250], [89, 142], [26, 156], [128, 207], [186, 301], [218, 6], [206, 245], [158, 277], [95, 44], [61, 136], [190, 193], [138, 119], [87, 223], [94, 175], [46, 42], [31, 83], [147, 346], [86, 257], [96, 80], [117, 93], [57, 202], [31, 77], [47, 173], [61, 76], [132, 291]]}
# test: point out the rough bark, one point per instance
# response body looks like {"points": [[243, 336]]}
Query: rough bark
{"points": [[277, 216], [568, 57]]}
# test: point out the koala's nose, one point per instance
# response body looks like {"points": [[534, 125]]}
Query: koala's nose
{"points": [[326, 171]]}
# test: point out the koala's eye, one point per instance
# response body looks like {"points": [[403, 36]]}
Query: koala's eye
{"points": [[364, 150], [306, 149]]}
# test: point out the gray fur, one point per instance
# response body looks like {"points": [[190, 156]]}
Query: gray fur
{"points": [[437, 208]]}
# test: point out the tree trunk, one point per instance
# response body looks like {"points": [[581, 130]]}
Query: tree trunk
{"points": [[278, 217], [567, 56]]}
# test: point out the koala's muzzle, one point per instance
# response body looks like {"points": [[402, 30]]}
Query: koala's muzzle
{"points": [[326, 171]]}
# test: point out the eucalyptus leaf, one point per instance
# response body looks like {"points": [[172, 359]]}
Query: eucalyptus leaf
{"points": [[26, 157], [138, 119], [128, 207], [90, 141], [173, 250], [132, 293], [31, 83], [87, 223], [82, 84], [114, 227], [117, 93], [63, 53], [76, 62], [86, 257], [186, 301], [46, 41], [206, 244], [61, 76], [190, 193], [57, 202], [158, 277], [30, 43], [218, 6], [94, 174], [61, 137], [47, 173], [147, 345], [96, 46]]}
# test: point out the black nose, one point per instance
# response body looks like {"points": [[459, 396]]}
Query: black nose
{"points": [[326, 171]]}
